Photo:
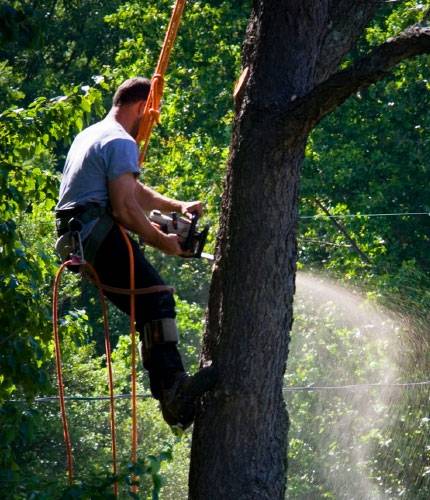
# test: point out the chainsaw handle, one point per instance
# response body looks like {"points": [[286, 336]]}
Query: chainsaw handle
{"points": [[188, 243]]}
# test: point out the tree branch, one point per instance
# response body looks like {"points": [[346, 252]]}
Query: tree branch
{"points": [[327, 96], [342, 229], [345, 24]]}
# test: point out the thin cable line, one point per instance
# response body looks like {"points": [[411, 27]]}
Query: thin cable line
{"points": [[310, 388], [325, 216], [292, 388], [328, 243], [48, 399], [347, 216]]}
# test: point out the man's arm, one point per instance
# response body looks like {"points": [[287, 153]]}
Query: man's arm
{"points": [[124, 195], [151, 200]]}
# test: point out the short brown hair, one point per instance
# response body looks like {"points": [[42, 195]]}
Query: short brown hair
{"points": [[132, 90]]}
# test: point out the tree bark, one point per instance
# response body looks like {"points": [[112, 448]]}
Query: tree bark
{"points": [[240, 433], [244, 423]]}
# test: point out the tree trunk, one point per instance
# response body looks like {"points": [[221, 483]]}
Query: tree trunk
{"points": [[239, 441], [243, 427], [240, 433]]}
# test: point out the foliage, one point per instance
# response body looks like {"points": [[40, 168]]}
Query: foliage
{"points": [[55, 45], [31, 140], [27, 194], [370, 156]]}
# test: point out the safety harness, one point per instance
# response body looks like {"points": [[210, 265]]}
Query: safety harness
{"points": [[70, 247], [69, 224]]}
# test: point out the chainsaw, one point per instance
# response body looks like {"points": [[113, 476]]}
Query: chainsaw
{"points": [[192, 240]]}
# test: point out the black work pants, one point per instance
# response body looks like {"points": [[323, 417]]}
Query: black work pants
{"points": [[113, 267]]}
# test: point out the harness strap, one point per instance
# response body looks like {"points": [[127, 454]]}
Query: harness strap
{"points": [[85, 213], [96, 237], [158, 331], [136, 291]]}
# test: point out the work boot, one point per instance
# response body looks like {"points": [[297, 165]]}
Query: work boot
{"points": [[178, 402]]}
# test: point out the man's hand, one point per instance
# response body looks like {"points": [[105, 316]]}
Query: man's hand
{"points": [[191, 207], [126, 195], [169, 244]]}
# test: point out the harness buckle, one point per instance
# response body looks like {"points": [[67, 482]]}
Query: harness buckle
{"points": [[77, 254]]}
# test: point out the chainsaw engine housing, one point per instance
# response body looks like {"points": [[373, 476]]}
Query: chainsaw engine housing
{"points": [[192, 240]]}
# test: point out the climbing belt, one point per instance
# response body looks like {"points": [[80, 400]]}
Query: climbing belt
{"points": [[151, 116]]}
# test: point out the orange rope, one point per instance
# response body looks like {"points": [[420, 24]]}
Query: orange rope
{"points": [[132, 291], [134, 488], [151, 114], [60, 373], [109, 368], [66, 433]]}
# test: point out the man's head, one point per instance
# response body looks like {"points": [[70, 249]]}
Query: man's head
{"points": [[132, 91], [130, 99]]}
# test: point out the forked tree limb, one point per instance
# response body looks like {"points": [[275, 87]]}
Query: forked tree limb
{"points": [[346, 20], [375, 66], [340, 227]]}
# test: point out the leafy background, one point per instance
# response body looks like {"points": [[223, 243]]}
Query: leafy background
{"points": [[59, 65]]}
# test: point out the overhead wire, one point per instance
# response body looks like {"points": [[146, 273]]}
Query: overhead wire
{"points": [[358, 215], [325, 243], [310, 388], [48, 399], [291, 388], [337, 216]]}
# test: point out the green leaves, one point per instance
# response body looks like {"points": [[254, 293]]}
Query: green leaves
{"points": [[149, 466], [31, 142]]}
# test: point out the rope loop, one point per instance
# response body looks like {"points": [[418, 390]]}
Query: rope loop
{"points": [[57, 343], [157, 86], [155, 115], [158, 79]]}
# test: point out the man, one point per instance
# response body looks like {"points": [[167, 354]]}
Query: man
{"points": [[100, 189]]}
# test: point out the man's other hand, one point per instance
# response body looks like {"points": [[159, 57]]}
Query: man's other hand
{"points": [[191, 207], [169, 244]]}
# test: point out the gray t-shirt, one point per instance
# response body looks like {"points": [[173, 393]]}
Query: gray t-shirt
{"points": [[99, 154]]}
